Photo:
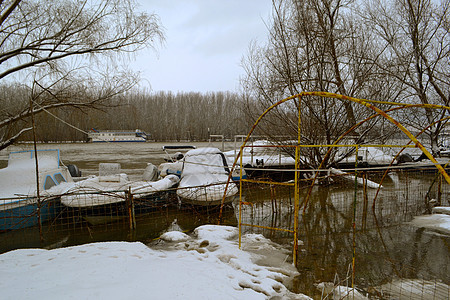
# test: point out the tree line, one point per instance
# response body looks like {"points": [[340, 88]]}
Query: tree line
{"points": [[61, 60], [165, 116], [386, 50]]}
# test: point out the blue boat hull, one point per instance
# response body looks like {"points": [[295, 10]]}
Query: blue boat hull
{"points": [[27, 216]]}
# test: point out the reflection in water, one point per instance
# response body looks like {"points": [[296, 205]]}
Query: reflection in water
{"points": [[74, 229], [386, 247]]}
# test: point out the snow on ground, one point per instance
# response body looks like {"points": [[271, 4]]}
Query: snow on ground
{"points": [[207, 265], [339, 292], [414, 289], [441, 210], [438, 221]]}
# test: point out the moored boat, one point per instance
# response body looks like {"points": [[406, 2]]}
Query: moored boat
{"points": [[97, 191], [20, 204], [263, 158], [103, 192], [204, 178], [97, 136]]}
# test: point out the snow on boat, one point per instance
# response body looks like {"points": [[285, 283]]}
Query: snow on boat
{"points": [[263, 153], [204, 177], [264, 158], [173, 164], [19, 203], [103, 190], [351, 179], [367, 157]]}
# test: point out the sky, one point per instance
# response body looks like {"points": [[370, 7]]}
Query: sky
{"points": [[205, 42]]}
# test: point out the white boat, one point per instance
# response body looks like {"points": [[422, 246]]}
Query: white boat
{"points": [[263, 158], [263, 153], [106, 190], [97, 136], [18, 189], [367, 157], [204, 177], [173, 164]]}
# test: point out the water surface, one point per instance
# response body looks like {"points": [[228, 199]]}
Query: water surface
{"points": [[338, 227]]}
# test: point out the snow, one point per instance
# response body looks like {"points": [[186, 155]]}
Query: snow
{"points": [[174, 236], [204, 177], [339, 292], [206, 265], [441, 210], [264, 153], [371, 155], [19, 177], [86, 193], [439, 222], [351, 178]]}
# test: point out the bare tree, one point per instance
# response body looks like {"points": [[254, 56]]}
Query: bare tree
{"points": [[65, 53], [415, 36], [314, 45]]}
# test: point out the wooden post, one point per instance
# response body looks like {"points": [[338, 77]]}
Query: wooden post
{"points": [[130, 208]]}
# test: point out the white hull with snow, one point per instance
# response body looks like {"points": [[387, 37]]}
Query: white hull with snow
{"points": [[18, 188], [204, 178], [105, 190]]}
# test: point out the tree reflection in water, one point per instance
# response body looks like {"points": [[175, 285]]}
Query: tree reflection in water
{"points": [[386, 246]]}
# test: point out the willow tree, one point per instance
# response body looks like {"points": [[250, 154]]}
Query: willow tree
{"points": [[416, 37], [314, 45], [66, 53]]}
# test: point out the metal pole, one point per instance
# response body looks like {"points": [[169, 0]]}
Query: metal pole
{"points": [[354, 217], [240, 195], [37, 172], [296, 186]]}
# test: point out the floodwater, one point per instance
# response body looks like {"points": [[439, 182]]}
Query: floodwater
{"points": [[133, 157], [339, 226]]}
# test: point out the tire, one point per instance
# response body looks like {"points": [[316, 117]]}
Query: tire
{"points": [[74, 171]]}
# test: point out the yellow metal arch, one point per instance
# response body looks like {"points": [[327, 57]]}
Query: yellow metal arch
{"points": [[395, 122], [368, 104]]}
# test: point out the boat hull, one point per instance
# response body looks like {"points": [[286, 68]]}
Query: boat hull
{"points": [[208, 203], [210, 195], [118, 210], [26, 215]]}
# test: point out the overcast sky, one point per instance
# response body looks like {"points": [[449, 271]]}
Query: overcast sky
{"points": [[205, 42]]}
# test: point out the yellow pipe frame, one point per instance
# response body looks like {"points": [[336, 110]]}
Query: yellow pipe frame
{"points": [[364, 102]]}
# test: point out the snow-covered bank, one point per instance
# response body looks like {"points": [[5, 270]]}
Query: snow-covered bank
{"points": [[439, 221], [207, 265]]}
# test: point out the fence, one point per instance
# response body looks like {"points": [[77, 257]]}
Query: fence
{"points": [[328, 212], [376, 236], [386, 245], [348, 233]]}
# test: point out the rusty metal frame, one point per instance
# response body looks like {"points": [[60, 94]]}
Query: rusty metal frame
{"points": [[369, 104]]}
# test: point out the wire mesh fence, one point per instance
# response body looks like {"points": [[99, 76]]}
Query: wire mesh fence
{"points": [[341, 223], [393, 258]]}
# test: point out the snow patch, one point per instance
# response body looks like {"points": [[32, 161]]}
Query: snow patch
{"points": [[339, 292], [434, 222], [209, 265], [174, 236]]}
